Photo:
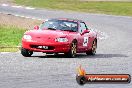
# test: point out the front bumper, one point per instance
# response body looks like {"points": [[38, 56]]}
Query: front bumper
{"points": [[53, 47]]}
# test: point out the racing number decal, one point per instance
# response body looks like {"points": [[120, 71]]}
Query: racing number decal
{"points": [[85, 42]]}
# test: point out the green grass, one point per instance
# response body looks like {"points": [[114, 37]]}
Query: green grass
{"points": [[10, 37], [114, 8], [9, 49]]}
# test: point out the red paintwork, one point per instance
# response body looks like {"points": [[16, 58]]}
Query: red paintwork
{"points": [[47, 38]]}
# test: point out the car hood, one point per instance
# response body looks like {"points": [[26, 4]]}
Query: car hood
{"points": [[47, 33]]}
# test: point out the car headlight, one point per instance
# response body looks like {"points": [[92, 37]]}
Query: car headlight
{"points": [[27, 37], [61, 40]]}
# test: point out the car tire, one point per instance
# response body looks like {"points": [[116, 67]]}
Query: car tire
{"points": [[73, 50], [81, 80], [93, 49], [26, 53]]}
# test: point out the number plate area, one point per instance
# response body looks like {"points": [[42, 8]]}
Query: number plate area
{"points": [[42, 47]]}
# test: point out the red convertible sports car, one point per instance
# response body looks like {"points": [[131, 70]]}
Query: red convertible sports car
{"points": [[68, 36]]}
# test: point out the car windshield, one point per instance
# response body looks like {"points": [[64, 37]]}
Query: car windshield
{"points": [[59, 25]]}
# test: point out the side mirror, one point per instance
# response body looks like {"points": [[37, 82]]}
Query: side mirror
{"points": [[85, 31], [36, 27]]}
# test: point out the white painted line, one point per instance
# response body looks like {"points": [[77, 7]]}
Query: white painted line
{"points": [[4, 52], [5, 5], [27, 17], [33, 18], [39, 19], [29, 8], [22, 16], [17, 6], [16, 15]]}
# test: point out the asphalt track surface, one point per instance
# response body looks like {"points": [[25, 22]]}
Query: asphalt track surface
{"points": [[114, 54]]}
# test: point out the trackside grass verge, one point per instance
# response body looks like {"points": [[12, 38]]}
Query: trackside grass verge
{"points": [[114, 8], [10, 38]]}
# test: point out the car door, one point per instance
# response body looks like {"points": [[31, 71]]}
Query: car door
{"points": [[83, 37]]}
